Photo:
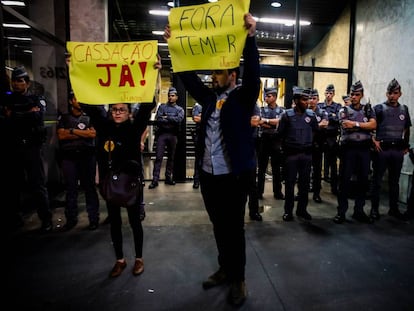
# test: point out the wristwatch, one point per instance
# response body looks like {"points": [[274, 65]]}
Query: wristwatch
{"points": [[356, 124]]}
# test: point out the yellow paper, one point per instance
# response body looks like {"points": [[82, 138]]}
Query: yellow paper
{"points": [[207, 36], [115, 72]]}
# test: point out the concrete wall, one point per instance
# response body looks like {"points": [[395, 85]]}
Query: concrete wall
{"points": [[332, 51], [384, 49], [88, 20]]}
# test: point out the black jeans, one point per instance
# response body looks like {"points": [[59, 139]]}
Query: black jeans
{"points": [[225, 199]]}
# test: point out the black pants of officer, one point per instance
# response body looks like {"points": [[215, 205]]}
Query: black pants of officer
{"points": [[317, 156], [331, 161], [80, 167], [392, 160], [269, 148], [225, 198], [165, 141], [355, 161], [297, 165], [27, 163]]}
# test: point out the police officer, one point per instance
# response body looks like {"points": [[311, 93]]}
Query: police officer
{"points": [[270, 144], [391, 142], [25, 113], [331, 137], [253, 198], [76, 137], [196, 115], [318, 143], [357, 121], [168, 118], [297, 126]]}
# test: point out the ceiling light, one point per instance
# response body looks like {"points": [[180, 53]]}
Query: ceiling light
{"points": [[170, 4], [286, 22], [159, 12], [276, 4], [274, 50], [19, 38], [13, 3], [158, 32], [7, 25], [212, 0]]}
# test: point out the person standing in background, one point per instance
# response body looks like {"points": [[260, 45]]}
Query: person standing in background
{"points": [[391, 142], [357, 123], [317, 146], [297, 126], [331, 138], [77, 152], [270, 145], [25, 114], [253, 201], [196, 115], [168, 119]]}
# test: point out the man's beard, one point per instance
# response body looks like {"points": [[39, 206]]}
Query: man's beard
{"points": [[220, 89]]}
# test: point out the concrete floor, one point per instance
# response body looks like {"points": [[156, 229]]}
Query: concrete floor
{"points": [[290, 266]]}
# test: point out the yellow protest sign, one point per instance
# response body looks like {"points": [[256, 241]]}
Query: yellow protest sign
{"points": [[113, 72], [207, 36]]}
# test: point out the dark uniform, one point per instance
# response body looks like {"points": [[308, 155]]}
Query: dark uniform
{"points": [[253, 189], [78, 163], [355, 144], [168, 119], [409, 214], [270, 146], [392, 134], [27, 134], [196, 111], [297, 126], [330, 146], [317, 152]]}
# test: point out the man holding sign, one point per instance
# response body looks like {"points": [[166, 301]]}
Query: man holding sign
{"points": [[226, 155]]}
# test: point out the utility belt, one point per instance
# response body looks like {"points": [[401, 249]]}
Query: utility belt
{"points": [[293, 151], [272, 135], [400, 145], [365, 144]]}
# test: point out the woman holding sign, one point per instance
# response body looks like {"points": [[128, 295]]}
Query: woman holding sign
{"points": [[119, 141], [226, 157]]}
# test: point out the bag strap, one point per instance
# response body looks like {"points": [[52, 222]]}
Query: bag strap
{"points": [[110, 153]]}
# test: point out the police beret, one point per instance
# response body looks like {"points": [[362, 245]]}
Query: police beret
{"points": [[314, 92], [19, 72], [172, 90], [393, 86], [346, 97], [357, 87], [330, 88], [270, 90], [299, 91]]}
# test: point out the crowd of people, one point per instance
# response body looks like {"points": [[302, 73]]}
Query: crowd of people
{"points": [[234, 142]]}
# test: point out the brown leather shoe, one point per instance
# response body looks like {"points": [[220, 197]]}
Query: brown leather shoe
{"points": [[217, 278], [237, 293], [118, 268], [138, 267]]}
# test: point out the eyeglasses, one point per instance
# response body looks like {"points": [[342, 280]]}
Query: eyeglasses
{"points": [[119, 110]]}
